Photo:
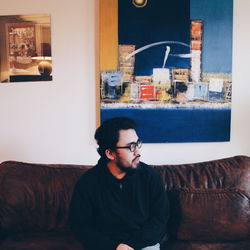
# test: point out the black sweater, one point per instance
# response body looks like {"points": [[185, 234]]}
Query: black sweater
{"points": [[105, 211]]}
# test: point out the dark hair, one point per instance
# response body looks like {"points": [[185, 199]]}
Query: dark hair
{"points": [[107, 135]]}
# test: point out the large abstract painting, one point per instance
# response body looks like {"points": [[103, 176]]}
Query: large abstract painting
{"points": [[167, 64]]}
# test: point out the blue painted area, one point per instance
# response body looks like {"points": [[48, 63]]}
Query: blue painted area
{"points": [[201, 91], [217, 37], [159, 20], [177, 124], [169, 20]]}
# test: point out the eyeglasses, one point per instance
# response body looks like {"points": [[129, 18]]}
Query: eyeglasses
{"points": [[133, 145]]}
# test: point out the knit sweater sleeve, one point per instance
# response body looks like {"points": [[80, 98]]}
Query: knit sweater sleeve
{"points": [[154, 228], [81, 219]]}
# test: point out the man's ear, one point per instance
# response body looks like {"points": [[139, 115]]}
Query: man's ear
{"points": [[110, 154]]}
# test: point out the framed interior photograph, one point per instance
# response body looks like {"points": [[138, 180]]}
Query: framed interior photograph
{"points": [[167, 64], [25, 45]]}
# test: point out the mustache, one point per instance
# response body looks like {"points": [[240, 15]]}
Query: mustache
{"points": [[138, 156]]}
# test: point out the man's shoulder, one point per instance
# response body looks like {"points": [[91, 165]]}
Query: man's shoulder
{"points": [[89, 177], [149, 171], [147, 168]]}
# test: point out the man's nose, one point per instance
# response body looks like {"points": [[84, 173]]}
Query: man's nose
{"points": [[137, 150]]}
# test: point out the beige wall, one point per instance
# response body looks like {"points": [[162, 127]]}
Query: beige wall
{"points": [[55, 122]]}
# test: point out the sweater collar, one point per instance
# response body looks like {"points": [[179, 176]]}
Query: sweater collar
{"points": [[103, 167]]}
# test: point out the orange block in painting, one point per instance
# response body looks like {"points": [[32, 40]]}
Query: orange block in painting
{"points": [[108, 34], [147, 92], [196, 34]]}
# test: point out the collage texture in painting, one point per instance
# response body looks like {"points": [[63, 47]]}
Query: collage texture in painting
{"points": [[167, 64]]}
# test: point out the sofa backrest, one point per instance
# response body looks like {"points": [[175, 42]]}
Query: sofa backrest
{"points": [[233, 172], [35, 197], [209, 201]]}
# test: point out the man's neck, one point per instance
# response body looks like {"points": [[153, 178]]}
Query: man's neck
{"points": [[115, 170]]}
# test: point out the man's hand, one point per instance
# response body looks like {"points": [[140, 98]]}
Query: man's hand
{"points": [[124, 247]]}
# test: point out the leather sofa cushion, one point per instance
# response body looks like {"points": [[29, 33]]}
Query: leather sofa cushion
{"points": [[35, 197], [201, 245], [41, 241], [209, 214]]}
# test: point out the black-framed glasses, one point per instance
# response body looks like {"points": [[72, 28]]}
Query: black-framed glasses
{"points": [[133, 145]]}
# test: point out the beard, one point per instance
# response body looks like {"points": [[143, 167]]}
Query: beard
{"points": [[129, 169]]}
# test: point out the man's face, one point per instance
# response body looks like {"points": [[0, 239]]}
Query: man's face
{"points": [[126, 160]]}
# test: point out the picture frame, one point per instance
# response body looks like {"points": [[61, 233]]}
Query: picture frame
{"points": [[25, 46], [174, 75]]}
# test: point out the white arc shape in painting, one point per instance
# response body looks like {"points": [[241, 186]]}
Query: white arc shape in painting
{"points": [[166, 56], [152, 45], [182, 55]]}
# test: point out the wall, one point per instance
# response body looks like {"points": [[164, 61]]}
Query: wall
{"points": [[55, 122]]}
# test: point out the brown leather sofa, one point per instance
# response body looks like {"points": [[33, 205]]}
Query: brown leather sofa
{"points": [[210, 205]]}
